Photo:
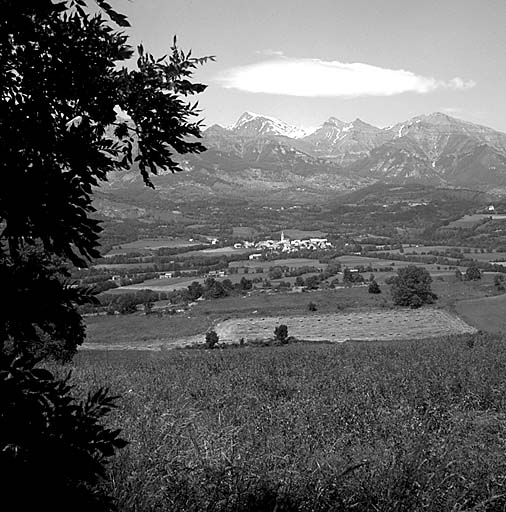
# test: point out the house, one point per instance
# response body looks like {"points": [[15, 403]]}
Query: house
{"points": [[166, 275], [116, 278], [255, 256]]}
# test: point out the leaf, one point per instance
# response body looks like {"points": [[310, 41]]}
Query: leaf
{"points": [[74, 123]]}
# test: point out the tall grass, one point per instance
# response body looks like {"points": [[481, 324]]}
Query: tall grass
{"points": [[367, 426]]}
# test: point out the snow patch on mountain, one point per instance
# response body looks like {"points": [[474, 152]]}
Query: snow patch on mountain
{"points": [[267, 125]]}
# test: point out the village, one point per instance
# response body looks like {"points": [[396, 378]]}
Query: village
{"points": [[285, 245]]}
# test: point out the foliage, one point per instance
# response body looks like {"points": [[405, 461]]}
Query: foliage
{"points": [[374, 287], [39, 316], [212, 339], [473, 273], [54, 449], [312, 306], [412, 287], [499, 283], [281, 333], [458, 275], [69, 115]]}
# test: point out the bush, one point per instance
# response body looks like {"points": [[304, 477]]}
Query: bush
{"points": [[212, 339], [281, 333], [312, 306], [53, 448], [473, 273], [374, 287]]}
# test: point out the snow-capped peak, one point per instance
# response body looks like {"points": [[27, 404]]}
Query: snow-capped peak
{"points": [[250, 123]]}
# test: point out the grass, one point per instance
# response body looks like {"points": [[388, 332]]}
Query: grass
{"points": [[486, 314], [138, 330], [141, 330], [397, 426]]}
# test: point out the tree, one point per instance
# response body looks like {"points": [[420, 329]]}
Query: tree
{"points": [[347, 277], [299, 281], [312, 282], [312, 306], [473, 273], [281, 333], [213, 289], [43, 426], [69, 115], [458, 275], [212, 339], [195, 291], [499, 283], [412, 287], [374, 287], [245, 284]]}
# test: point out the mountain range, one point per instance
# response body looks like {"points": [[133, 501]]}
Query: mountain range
{"points": [[263, 158]]}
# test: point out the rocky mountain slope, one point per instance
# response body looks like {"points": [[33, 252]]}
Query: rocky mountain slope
{"points": [[260, 158], [436, 149]]}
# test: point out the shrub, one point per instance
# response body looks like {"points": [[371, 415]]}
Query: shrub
{"points": [[212, 339], [53, 448], [374, 287], [473, 273], [281, 333], [312, 306]]}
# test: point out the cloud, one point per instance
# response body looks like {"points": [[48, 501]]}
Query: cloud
{"points": [[319, 78], [270, 53]]}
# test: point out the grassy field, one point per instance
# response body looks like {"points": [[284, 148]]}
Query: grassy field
{"points": [[487, 314], [151, 244], [140, 331], [285, 262], [385, 426]]}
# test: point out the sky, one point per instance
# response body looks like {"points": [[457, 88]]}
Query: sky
{"points": [[303, 61]]}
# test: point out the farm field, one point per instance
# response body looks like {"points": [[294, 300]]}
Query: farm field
{"points": [[285, 262], [140, 331], [423, 249], [487, 314], [357, 325], [151, 244], [388, 426], [468, 221], [351, 260]]}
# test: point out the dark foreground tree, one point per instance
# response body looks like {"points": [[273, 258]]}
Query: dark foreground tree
{"points": [[53, 447], [412, 287], [69, 115]]}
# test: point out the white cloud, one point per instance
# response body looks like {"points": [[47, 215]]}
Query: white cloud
{"points": [[270, 53], [315, 77]]}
